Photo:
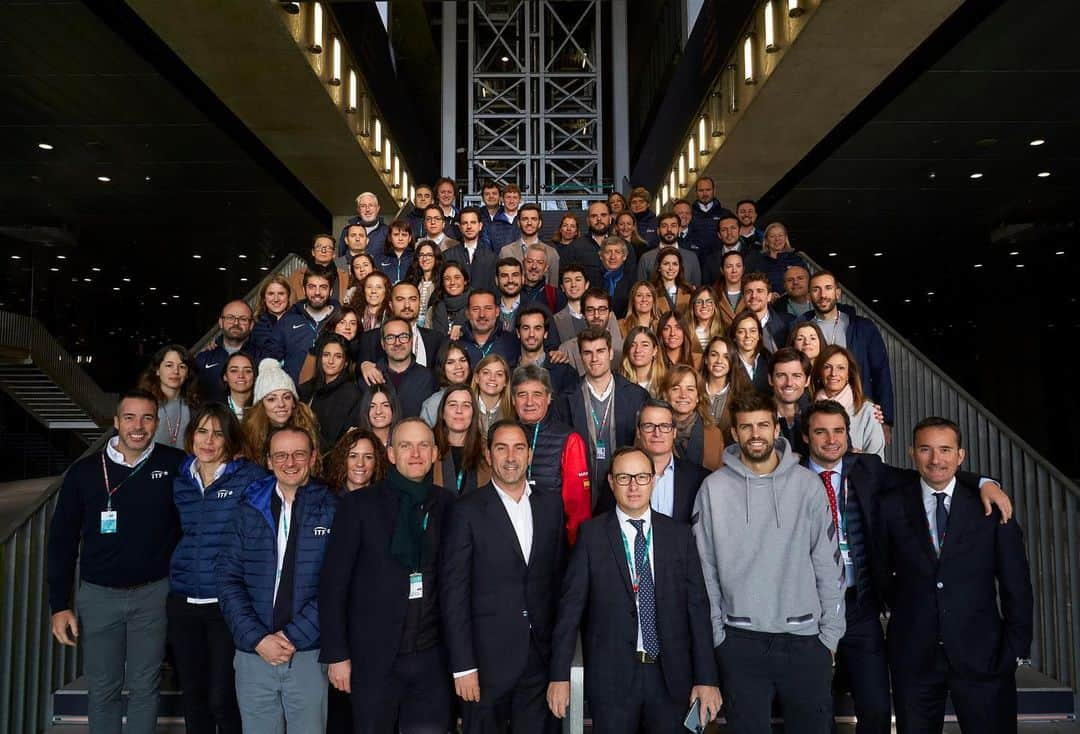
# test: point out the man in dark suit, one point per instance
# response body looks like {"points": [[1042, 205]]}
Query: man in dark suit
{"points": [[677, 480], [854, 485], [378, 606], [647, 634], [604, 409], [946, 568], [473, 252], [500, 569], [775, 325], [404, 304]]}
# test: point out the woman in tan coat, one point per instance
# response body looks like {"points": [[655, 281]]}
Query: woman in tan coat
{"points": [[697, 438]]}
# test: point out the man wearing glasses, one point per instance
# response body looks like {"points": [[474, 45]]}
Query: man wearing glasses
{"points": [[235, 322], [435, 229], [268, 580], [413, 382], [596, 307], [634, 588], [677, 480], [322, 258]]}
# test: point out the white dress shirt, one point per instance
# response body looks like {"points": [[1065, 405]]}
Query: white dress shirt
{"points": [[419, 350], [630, 534], [663, 496], [112, 450], [929, 502]]}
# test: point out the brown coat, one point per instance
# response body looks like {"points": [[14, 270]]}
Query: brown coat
{"points": [[296, 283], [727, 313]]}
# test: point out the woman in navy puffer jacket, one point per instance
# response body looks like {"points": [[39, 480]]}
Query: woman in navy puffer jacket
{"points": [[206, 491]]}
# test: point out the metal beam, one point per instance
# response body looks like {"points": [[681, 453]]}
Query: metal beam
{"points": [[448, 149], [620, 96]]}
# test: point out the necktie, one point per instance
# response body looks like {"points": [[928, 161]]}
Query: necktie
{"points": [[830, 491], [468, 255], [941, 518], [646, 592]]}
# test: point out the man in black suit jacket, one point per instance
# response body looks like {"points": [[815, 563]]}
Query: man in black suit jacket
{"points": [[677, 480], [635, 587], [404, 304], [775, 325], [378, 605], [500, 570], [945, 568], [604, 409], [473, 255]]}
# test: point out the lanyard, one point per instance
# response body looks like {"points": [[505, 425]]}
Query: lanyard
{"points": [[485, 350], [532, 450], [110, 490], [600, 425], [630, 558], [423, 525], [460, 479]]}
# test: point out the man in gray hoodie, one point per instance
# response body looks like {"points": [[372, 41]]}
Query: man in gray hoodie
{"points": [[774, 575]]}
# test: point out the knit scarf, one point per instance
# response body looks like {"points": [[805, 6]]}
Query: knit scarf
{"points": [[407, 543], [611, 279], [683, 429], [455, 304], [845, 397]]}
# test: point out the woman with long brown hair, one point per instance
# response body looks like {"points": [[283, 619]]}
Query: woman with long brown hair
{"points": [[644, 308], [642, 363], [836, 377], [676, 342], [275, 297], [670, 280], [357, 460], [461, 466], [697, 438], [372, 300], [723, 378], [745, 333], [172, 378], [703, 317]]}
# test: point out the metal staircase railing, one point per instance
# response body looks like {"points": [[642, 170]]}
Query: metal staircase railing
{"points": [[32, 663], [1047, 503]]}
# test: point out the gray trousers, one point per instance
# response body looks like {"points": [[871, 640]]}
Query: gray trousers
{"points": [[123, 636], [273, 696]]}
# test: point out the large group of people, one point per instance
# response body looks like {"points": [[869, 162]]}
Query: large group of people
{"points": [[394, 494]]}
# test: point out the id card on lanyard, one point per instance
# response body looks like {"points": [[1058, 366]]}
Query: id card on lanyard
{"points": [[416, 578], [108, 516]]}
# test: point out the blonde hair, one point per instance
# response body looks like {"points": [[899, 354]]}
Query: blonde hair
{"points": [[506, 406], [629, 321], [256, 430], [657, 371]]}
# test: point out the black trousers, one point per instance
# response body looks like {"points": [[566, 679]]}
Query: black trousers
{"points": [[203, 653], [756, 667], [863, 668], [521, 710], [983, 705], [416, 699], [647, 706]]}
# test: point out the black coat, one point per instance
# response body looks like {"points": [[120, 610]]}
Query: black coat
{"points": [[953, 598], [364, 591], [597, 598], [628, 399], [585, 252], [371, 349], [417, 385], [482, 270], [335, 405], [493, 604], [688, 479]]}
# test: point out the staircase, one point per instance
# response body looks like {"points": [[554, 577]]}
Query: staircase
{"points": [[43, 399]]}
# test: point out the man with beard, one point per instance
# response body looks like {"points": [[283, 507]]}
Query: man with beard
{"points": [[668, 235], [508, 275], [118, 505], [860, 336], [367, 215], [532, 333], [236, 321], [775, 325], [585, 250], [483, 334], [413, 382], [774, 576], [727, 235], [529, 222], [499, 590], [405, 305], [297, 330], [705, 214], [749, 233]]}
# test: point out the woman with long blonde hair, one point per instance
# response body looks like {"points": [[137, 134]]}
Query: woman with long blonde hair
{"points": [[644, 308], [703, 316], [491, 386], [642, 363]]}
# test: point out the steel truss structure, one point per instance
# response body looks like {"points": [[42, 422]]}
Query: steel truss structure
{"points": [[535, 96]]}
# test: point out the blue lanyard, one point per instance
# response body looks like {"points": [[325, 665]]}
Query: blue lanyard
{"points": [[460, 479], [532, 451], [630, 558], [607, 415]]}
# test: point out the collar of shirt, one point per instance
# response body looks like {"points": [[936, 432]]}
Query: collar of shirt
{"points": [[628, 529], [765, 318], [112, 450], [663, 496], [194, 471], [507, 498], [838, 470], [471, 246], [928, 498], [607, 391], [437, 239], [705, 207]]}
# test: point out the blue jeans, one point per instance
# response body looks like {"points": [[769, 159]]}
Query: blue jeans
{"points": [[123, 636], [273, 696]]}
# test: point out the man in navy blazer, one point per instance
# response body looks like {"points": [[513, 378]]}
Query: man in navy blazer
{"points": [[500, 570], [635, 588], [604, 409], [946, 569], [378, 600], [677, 480]]}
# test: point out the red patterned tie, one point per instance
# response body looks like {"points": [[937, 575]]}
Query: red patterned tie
{"points": [[826, 476]]}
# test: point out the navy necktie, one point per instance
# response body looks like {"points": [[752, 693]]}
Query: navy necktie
{"points": [[646, 592], [941, 518]]}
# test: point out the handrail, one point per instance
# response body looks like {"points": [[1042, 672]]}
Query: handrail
{"points": [[1047, 503], [32, 663], [27, 334]]}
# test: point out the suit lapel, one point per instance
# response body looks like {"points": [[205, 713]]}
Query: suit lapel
{"points": [[854, 478], [618, 550], [964, 513], [916, 517], [499, 519]]}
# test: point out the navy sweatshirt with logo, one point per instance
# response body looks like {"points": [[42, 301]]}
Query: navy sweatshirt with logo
{"points": [[147, 525]]}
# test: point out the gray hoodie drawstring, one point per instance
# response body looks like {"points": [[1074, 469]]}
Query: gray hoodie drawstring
{"points": [[747, 480], [775, 500]]}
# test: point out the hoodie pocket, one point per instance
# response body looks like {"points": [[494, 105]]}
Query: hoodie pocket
{"points": [[744, 621], [801, 619]]}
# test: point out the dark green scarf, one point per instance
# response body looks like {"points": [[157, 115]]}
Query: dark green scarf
{"points": [[407, 543]]}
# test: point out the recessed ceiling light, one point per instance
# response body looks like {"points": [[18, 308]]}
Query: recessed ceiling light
{"points": [[44, 146], [242, 256], [929, 293], [16, 257], [1044, 174], [1060, 252], [153, 288], [874, 300], [850, 267], [978, 265], [1019, 265], [1014, 253], [932, 175], [1036, 142], [243, 280], [832, 254], [61, 257], [116, 287], [104, 179], [504, 59], [87, 280], [147, 178], [878, 254], [195, 303], [907, 300], [976, 175], [264, 268], [196, 256], [96, 269], [175, 295], [126, 280], [55, 270], [163, 303], [222, 268]]}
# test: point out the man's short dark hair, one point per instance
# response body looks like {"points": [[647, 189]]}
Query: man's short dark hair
{"points": [[531, 208], [436, 207], [490, 185], [784, 355], [470, 210], [571, 268], [287, 428], [935, 421], [731, 253], [509, 262], [598, 294], [481, 292], [504, 423], [751, 401], [530, 311], [318, 271], [680, 201], [751, 202], [136, 393], [655, 403], [630, 450], [824, 407], [665, 216], [393, 319], [593, 334]]}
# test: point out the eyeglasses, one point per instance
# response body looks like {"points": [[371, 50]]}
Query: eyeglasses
{"points": [[230, 319], [280, 457], [662, 427], [397, 338], [323, 248], [623, 479], [426, 254], [596, 310]]}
